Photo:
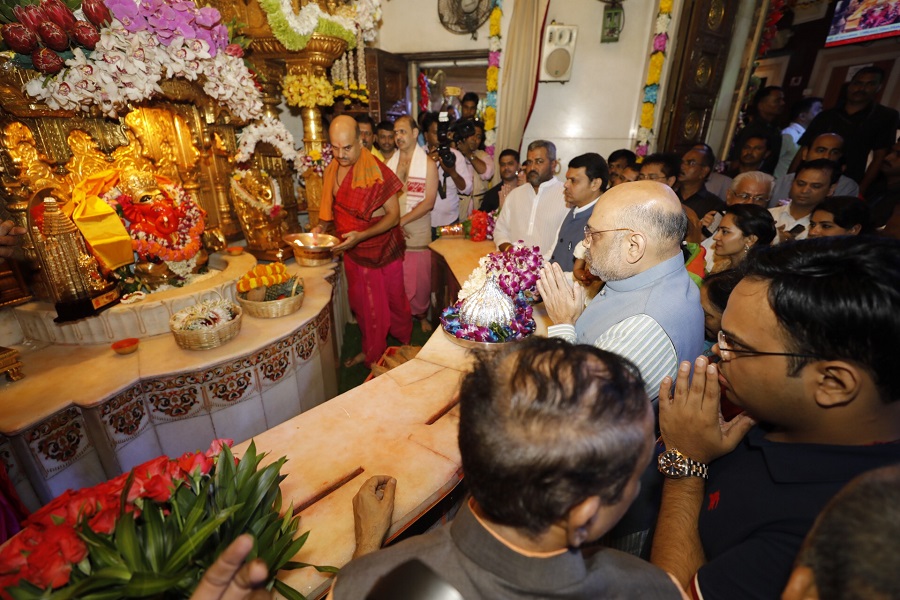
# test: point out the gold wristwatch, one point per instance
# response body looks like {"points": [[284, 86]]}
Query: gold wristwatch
{"points": [[676, 465]]}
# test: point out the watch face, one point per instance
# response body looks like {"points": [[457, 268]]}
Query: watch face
{"points": [[673, 464]]}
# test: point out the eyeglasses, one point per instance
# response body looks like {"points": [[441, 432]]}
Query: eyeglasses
{"points": [[650, 176], [690, 163], [590, 233], [728, 352], [750, 197]]}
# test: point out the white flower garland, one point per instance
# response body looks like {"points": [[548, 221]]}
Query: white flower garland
{"points": [[367, 13], [127, 68], [268, 129], [272, 210]]}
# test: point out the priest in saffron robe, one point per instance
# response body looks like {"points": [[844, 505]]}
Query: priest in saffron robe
{"points": [[359, 199]]}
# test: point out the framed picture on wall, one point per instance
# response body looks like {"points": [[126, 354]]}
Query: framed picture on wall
{"points": [[806, 11]]}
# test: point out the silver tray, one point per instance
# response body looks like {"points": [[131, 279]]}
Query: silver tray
{"points": [[469, 344]]}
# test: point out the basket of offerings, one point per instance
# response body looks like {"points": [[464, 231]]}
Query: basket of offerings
{"points": [[268, 291], [206, 325]]}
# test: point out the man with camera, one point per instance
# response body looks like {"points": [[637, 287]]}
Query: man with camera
{"points": [[454, 174]]}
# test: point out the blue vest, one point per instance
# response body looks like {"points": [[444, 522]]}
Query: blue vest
{"points": [[570, 233], [664, 292]]}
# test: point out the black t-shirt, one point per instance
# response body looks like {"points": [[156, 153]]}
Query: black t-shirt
{"points": [[761, 501], [863, 131]]}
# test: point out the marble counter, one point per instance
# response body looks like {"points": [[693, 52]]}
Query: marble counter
{"points": [[84, 414]]}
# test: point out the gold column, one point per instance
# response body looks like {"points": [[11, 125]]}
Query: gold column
{"points": [[319, 54]]}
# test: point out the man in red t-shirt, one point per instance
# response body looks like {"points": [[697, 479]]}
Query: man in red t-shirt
{"points": [[360, 200]]}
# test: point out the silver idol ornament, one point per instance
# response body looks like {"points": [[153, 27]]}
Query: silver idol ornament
{"points": [[487, 306]]}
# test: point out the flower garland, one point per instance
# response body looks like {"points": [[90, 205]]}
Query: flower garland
{"points": [[307, 90], [183, 244], [270, 130], [139, 48], [776, 11], [348, 86], [424, 95], [293, 30], [493, 74], [273, 210], [654, 72], [315, 160]]}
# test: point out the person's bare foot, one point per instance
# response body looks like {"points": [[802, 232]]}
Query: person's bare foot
{"points": [[355, 360], [426, 326]]}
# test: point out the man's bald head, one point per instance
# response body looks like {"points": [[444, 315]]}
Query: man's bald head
{"points": [[646, 206], [345, 140], [409, 122]]}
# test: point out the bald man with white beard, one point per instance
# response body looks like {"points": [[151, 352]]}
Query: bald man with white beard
{"points": [[649, 310]]}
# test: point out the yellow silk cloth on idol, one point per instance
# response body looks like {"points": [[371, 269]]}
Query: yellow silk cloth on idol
{"points": [[365, 174], [98, 222]]}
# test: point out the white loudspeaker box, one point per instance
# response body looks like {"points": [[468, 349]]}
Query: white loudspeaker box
{"points": [[557, 52]]}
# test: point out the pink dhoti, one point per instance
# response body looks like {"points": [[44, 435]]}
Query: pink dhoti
{"points": [[378, 299], [417, 280]]}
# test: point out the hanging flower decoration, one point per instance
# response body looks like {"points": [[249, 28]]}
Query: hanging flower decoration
{"points": [[315, 160], [307, 90], [492, 76], [424, 97], [654, 74], [350, 85], [273, 210], [269, 130], [134, 47], [293, 30], [776, 11]]}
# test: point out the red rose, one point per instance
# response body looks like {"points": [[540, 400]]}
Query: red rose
{"points": [[47, 567], [216, 447], [192, 463], [71, 547], [105, 520]]}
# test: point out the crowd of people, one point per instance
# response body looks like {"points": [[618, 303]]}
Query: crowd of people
{"points": [[721, 361]]}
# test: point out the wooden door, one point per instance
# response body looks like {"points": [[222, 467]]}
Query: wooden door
{"points": [[388, 80], [704, 38]]}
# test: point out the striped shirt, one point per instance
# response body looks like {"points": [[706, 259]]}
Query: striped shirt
{"points": [[641, 340]]}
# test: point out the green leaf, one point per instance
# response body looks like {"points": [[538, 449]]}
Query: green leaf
{"points": [[287, 591], [127, 543], [150, 584], [292, 565], [188, 547], [154, 534]]}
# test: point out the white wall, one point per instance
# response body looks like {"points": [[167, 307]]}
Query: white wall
{"points": [[597, 110], [410, 26]]}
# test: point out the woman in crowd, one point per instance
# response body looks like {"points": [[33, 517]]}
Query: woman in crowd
{"points": [[744, 226], [714, 294], [840, 215]]}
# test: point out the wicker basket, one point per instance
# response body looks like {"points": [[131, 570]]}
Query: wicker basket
{"points": [[271, 309], [206, 339]]}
